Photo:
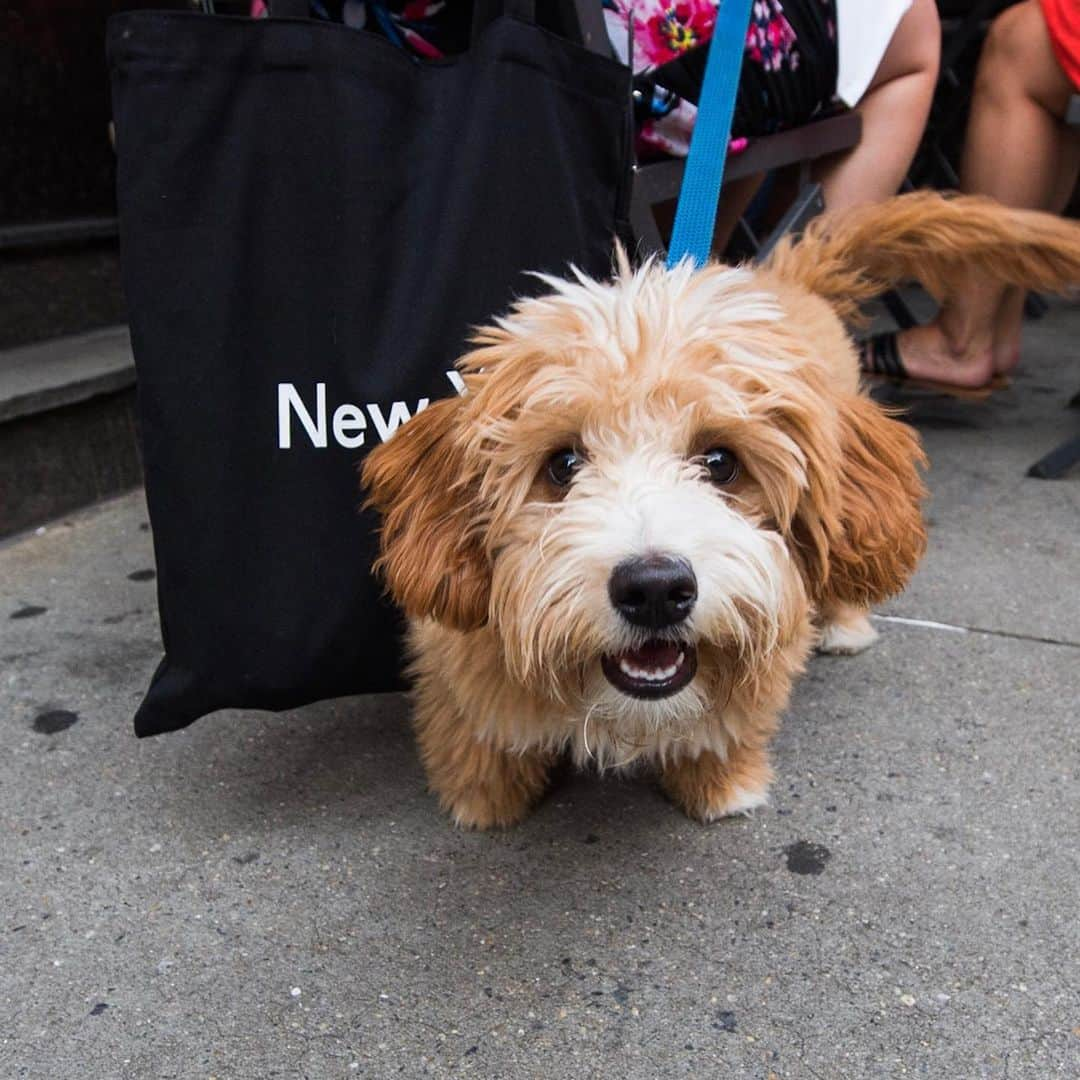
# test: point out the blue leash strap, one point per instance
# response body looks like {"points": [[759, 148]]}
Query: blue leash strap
{"points": [[695, 217]]}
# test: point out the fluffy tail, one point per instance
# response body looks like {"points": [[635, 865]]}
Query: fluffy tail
{"points": [[850, 257]]}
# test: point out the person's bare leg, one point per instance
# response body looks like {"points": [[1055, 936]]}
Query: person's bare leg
{"points": [[1005, 335], [1013, 152], [1009, 317], [893, 110], [1013, 145], [1068, 171]]}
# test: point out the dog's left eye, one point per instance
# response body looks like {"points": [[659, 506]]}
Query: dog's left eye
{"points": [[722, 464], [562, 465]]}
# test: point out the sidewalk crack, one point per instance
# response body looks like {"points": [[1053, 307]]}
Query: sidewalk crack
{"points": [[959, 628]]}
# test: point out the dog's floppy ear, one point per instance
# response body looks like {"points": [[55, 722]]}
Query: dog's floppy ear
{"points": [[432, 556], [863, 537]]}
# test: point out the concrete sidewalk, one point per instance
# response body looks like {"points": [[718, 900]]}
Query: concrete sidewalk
{"points": [[277, 896]]}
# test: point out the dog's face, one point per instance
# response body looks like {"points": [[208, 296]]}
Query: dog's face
{"points": [[648, 487]]}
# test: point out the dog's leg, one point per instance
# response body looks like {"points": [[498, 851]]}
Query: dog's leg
{"points": [[845, 630], [709, 787], [480, 785]]}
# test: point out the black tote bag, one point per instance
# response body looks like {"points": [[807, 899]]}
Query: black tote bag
{"points": [[311, 221]]}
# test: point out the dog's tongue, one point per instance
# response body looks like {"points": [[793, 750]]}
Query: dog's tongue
{"points": [[653, 655]]}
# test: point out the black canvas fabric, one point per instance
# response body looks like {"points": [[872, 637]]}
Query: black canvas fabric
{"points": [[311, 220]]}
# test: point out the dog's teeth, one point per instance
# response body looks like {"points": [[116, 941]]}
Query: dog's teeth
{"points": [[651, 674]]}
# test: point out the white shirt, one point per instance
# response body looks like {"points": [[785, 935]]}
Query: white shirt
{"points": [[864, 29]]}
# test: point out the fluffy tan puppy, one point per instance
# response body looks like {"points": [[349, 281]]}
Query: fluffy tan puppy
{"points": [[656, 495]]}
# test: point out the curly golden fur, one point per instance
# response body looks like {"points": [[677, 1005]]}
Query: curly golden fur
{"points": [[506, 569]]}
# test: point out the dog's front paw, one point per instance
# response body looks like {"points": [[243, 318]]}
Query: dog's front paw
{"points": [[845, 632], [709, 787], [482, 786], [484, 809]]}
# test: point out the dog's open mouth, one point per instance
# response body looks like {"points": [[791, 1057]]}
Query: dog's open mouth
{"points": [[657, 669]]}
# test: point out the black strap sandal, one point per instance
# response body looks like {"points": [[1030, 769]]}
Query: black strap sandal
{"points": [[880, 360]]}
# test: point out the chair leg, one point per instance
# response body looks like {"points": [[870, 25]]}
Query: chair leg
{"points": [[807, 205], [1058, 462], [745, 239], [647, 236], [1035, 307]]}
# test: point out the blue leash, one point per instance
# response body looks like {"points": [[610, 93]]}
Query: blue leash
{"points": [[695, 216]]}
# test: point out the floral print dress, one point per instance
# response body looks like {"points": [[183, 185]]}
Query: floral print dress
{"points": [[789, 66]]}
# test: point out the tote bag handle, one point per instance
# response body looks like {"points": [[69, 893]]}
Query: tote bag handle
{"points": [[695, 217], [288, 9], [484, 11]]}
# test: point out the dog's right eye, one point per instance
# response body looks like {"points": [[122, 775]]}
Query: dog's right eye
{"points": [[722, 465], [562, 465]]}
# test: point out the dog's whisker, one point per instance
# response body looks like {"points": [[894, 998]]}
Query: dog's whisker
{"points": [[585, 732]]}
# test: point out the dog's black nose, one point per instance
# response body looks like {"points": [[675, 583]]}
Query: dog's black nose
{"points": [[654, 591]]}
